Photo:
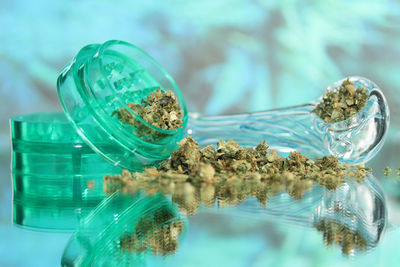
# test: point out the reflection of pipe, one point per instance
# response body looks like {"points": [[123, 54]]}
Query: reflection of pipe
{"points": [[353, 216], [354, 141], [355, 210], [125, 228]]}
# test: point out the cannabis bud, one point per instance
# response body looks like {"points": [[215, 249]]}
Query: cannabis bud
{"points": [[342, 104]]}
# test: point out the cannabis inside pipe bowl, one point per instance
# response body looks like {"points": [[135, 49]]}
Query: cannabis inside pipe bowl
{"points": [[105, 77], [360, 137], [153, 220], [355, 140]]}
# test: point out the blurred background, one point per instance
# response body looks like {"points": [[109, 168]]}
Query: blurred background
{"points": [[226, 56]]}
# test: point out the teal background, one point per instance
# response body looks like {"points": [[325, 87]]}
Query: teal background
{"points": [[226, 56]]}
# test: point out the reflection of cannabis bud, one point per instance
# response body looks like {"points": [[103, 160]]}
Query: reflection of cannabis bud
{"points": [[160, 109], [230, 173], [387, 171], [336, 233], [158, 232], [122, 181], [342, 104]]}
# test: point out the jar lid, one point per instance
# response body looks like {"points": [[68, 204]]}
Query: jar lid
{"points": [[46, 144], [101, 79]]}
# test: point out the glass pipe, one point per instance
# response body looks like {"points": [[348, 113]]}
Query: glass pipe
{"points": [[124, 229], [355, 140], [102, 78]]}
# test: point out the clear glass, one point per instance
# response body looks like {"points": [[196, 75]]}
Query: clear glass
{"points": [[103, 78], [57, 177], [355, 140], [98, 240]]}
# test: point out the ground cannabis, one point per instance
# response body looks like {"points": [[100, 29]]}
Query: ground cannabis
{"points": [[160, 109], [342, 104], [336, 233], [230, 173]]}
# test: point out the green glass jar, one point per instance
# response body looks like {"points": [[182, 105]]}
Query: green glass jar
{"points": [[103, 78], [59, 161], [57, 177]]}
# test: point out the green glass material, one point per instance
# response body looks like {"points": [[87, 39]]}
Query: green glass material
{"points": [[61, 215], [99, 239], [56, 176], [102, 78]]}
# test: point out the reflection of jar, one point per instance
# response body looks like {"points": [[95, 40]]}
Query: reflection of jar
{"points": [[57, 178], [126, 229], [100, 80]]}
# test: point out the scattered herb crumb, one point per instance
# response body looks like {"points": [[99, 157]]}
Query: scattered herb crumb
{"points": [[90, 184]]}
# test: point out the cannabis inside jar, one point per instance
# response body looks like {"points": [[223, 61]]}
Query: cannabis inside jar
{"points": [[160, 109], [342, 104]]}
